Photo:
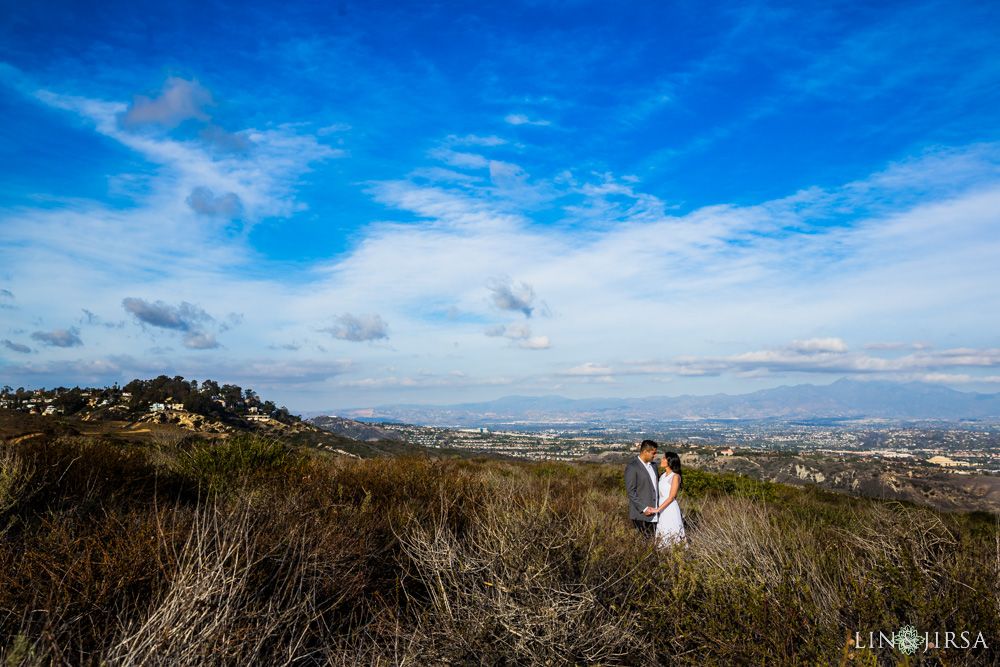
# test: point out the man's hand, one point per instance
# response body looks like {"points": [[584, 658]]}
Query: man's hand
{"points": [[648, 511]]}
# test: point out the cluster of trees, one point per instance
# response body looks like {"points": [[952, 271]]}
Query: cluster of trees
{"points": [[208, 398], [69, 400]]}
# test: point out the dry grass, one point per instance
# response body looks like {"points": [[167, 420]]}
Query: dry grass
{"points": [[212, 612], [249, 553], [14, 476], [519, 588]]}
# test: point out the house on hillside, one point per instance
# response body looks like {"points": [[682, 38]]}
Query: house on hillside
{"points": [[728, 451], [157, 407]]}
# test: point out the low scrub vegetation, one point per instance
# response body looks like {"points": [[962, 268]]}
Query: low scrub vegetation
{"points": [[253, 553]]}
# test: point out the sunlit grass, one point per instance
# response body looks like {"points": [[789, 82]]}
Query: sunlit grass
{"points": [[250, 552]]}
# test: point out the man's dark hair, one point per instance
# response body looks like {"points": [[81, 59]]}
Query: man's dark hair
{"points": [[647, 445]]}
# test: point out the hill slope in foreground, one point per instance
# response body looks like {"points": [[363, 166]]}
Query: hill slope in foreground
{"points": [[134, 550]]}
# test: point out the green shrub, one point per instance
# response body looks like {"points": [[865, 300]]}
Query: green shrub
{"points": [[218, 467]]}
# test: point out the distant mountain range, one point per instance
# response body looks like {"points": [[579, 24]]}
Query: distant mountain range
{"points": [[842, 400]]}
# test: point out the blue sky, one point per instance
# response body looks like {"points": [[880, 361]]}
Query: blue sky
{"points": [[344, 205]]}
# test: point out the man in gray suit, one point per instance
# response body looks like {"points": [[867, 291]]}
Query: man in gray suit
{"points": [[641, 487]]}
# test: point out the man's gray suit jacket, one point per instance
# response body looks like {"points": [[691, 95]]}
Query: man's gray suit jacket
{"points": [[640, 489]]}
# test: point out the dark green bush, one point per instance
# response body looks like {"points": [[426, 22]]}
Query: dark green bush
{"points": [[228, 465]]}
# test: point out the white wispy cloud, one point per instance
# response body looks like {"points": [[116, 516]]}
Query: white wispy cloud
{"points": [[518, 331], [825, 356], [958, 378], [261, 180], [475, 140], [896, 345], [521, 119], [536, 343], [452, 381], [589, 368], [459, 159]]}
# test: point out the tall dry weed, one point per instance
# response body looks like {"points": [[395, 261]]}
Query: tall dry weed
{"points": [[758, 542], [15, 476], [516, 589], [213, 612]]}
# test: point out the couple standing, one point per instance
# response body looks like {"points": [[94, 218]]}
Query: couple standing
{"points": [[652, 499]]}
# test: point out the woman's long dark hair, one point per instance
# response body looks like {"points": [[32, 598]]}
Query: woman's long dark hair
{"points": [[674, 463]]}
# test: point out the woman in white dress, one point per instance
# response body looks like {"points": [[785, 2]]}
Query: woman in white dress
{"points": [[670, 526]]}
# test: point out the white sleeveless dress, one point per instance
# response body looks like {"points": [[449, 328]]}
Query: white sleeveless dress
{"points": [[670, 526]]}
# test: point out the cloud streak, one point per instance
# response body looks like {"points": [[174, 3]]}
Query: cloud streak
{"points": [[521, 119], [16, 347], [819, 356], [59, 337], [186, 317], [159, 314]]}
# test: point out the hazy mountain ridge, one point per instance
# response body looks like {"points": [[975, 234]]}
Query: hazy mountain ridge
{"points": [[844, 399]]}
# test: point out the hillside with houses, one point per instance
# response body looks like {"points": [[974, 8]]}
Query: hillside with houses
{"points": [[166, 399]]}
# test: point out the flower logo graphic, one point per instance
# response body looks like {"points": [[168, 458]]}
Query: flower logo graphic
{"points": [[908, 639]]}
